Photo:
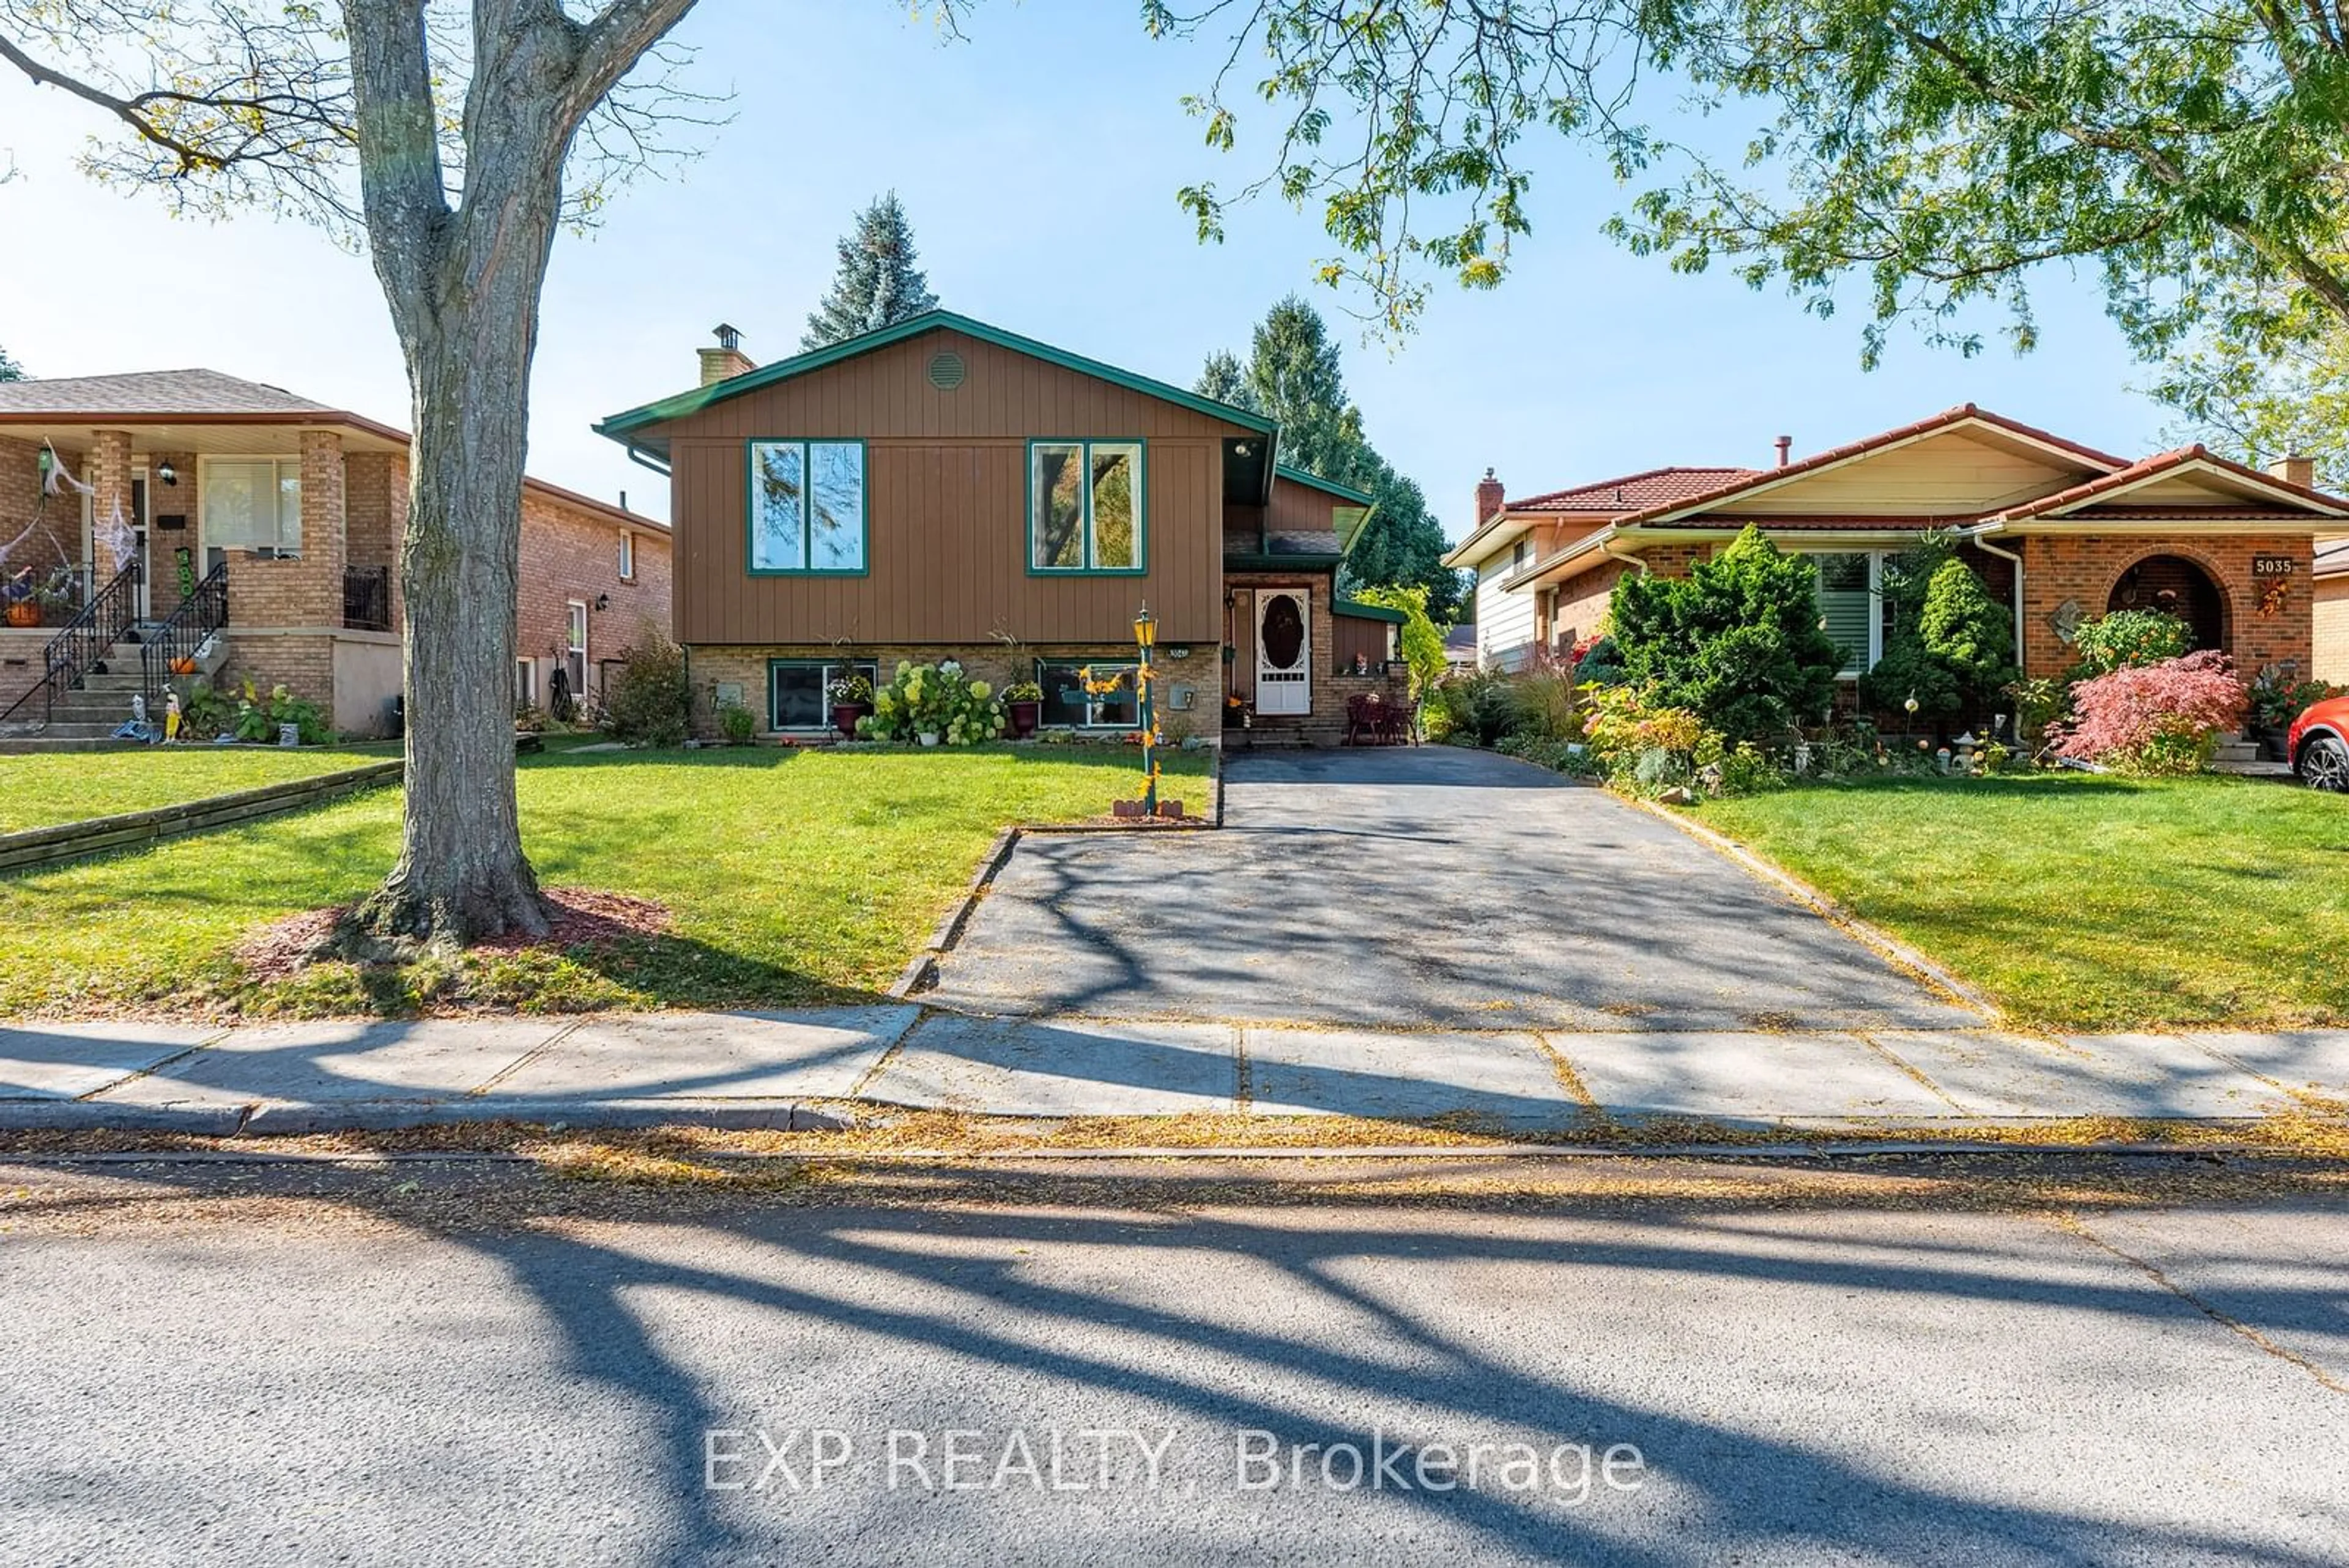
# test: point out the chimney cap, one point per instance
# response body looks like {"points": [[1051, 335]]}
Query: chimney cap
{"points": [[1488, 471], [728, 335]]}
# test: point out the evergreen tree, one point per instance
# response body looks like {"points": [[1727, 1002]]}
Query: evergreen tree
{"points": [[1226, 381], [1737, 640], [877, 284], [1293, 373], [9, 370]]}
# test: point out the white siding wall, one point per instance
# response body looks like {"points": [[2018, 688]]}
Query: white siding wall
{"points": [[1504, 621]]}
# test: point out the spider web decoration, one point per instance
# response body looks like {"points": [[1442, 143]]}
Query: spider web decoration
{"points": [[115, 536]]}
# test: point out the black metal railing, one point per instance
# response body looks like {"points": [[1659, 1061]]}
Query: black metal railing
{"points": [[367, 599], [82, 644], [172, 645]]}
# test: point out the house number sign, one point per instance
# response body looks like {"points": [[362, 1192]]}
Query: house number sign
{"points": [[2274, 565]]}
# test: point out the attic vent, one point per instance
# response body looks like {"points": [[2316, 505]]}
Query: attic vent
{"points": [[946, 370]]}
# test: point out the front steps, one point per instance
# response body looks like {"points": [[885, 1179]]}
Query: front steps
{"points": [[85, 718]]}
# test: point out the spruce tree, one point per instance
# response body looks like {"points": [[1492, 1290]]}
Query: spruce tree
{"points": [[877, 284], [9, 370]]}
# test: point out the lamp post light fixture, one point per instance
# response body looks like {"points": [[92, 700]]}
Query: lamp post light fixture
{"points": [[1145, 638]]}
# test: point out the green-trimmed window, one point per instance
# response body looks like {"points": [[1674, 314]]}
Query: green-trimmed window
{"points": [[1085, 506], [1066, 700], [808, 506]]}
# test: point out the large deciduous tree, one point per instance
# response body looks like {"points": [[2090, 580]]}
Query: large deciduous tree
{"points": [[461, 121], [1937, 154], [877, 283]]}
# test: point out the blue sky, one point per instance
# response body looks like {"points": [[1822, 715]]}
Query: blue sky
{"points": [[1039, 161]]}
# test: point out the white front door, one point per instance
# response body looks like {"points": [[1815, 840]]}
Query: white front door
{"points": [[1284, 651]]}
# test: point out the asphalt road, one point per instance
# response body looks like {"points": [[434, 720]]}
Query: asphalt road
{"points": [[1430, 887], [302, 1384]]}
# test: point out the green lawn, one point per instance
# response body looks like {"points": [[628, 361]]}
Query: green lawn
{"points": [[794, 877], [66, 786], [2089, 902]]}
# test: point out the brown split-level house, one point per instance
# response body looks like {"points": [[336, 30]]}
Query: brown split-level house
{"points": [[2060, 531], [944, 489], [221, 526]]}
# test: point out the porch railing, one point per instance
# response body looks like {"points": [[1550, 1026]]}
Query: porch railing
{"points": [[171, 646], [82, 644], [367, 599]]}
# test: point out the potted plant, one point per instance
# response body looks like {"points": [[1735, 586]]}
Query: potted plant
{"points": [[1023, 702], [852, 699], [2278, 697]]}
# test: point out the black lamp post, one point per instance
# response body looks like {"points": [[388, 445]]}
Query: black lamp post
{"points": [[1145, 638]]}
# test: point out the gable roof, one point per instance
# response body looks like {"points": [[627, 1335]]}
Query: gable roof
{"points": [[1757, 482], [1327, 487], [621, 427], [2109, 489]]}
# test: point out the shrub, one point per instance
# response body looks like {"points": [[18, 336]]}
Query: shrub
{"points": [[2156, 719], [258, 719], [1737, 640], [1597, 662], [2041, 706], [2128, 638], [1475, 710], [1953, 652], [932, 699], [1542, 703], [2278, 695], [648, 700], [1421, 641], [737, 724]]}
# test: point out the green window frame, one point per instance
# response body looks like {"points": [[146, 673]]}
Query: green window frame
{"points": [[1089, 522], [797, 556]]}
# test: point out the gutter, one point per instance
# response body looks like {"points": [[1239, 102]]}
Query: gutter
{"points": [[639, 456], [1979, 536], [1605, 538]]}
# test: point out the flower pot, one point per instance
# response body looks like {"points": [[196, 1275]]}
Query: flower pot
{"points": [[2272, 739], [1023, 717], [929, 737], [844, 716]]}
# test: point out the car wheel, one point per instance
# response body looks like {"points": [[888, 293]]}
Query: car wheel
{"points": [[2324, 764]]}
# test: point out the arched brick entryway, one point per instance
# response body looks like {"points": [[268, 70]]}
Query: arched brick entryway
{"points": [[2181, 586]]}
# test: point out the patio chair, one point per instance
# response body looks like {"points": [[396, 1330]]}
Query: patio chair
{"points": [[1359, 720], [1398, 721]]}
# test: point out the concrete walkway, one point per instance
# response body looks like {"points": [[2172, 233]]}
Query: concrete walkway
{"points": [[811, 1069]]}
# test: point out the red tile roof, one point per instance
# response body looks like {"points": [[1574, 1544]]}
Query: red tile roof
{"points": [[2154, 466], [1650, 487], [1963, 413]]}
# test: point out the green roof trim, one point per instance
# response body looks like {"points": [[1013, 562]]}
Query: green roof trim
{"points": [[1329, 486], [1361, 611], [684, 404]]}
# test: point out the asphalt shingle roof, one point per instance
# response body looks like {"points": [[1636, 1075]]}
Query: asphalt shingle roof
{"points": [[177, 393]]}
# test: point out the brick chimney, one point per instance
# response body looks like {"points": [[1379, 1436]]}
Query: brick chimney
{"points": [[1491, 496], [726, 359], [2295, 469]]}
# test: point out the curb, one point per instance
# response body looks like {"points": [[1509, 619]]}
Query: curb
{"points": [[1883, 941], [281, 1118]]}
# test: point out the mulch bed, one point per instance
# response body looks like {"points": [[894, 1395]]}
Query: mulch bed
{"points": [[577, 918]]}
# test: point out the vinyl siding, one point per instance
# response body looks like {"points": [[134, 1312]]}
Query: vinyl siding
{"points": [[1504, 621]]}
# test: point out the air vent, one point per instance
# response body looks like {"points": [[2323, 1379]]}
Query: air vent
{"points": [[946, 370]]}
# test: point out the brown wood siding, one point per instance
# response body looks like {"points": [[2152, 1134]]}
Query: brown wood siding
{"points": [[1296, 509], [1356, 634], [946, 475]]}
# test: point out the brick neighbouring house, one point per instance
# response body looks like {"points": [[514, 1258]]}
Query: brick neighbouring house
{"points": [[2059, 531], [302, 507], [942, 488]]}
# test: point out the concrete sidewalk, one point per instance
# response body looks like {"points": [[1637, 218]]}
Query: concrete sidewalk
{"points": [[802, 1070]]}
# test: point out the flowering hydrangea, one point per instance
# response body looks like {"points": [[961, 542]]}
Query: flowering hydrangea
{"points": [[2158, 718]]}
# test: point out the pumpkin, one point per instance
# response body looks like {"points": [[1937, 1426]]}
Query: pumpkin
{"points": [[183, 666], [24, 612]]}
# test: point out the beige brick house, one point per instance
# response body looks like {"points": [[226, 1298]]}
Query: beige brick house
{"points": [[2060, 531], [167, 522]]}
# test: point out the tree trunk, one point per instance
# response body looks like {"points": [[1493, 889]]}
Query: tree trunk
{"points": [[461, 874]]}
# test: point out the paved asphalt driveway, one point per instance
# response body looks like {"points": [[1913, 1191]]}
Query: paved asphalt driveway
{"points": [[1431, 887]]}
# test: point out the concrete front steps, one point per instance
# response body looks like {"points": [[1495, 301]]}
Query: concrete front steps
{"points": [[82, 719], [2238, 755]]}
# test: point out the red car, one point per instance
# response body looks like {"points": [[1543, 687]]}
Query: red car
{"points": [[2318, 744]]}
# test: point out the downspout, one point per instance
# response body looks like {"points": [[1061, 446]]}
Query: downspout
{"points": [[1980, 538], [636, 455], [1606, 548]]}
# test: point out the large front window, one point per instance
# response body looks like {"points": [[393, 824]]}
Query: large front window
{"points": [[807, 506], [1085, 506], [253, 504], [1066, 700], [799, 690]]}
